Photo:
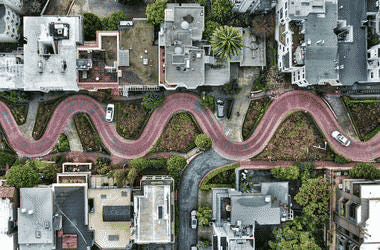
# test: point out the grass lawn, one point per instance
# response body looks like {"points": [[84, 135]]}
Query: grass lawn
{"points": [[294, 141], [19, 112], [366, 117], [41, 165], [44, 113], [131, 120], [88, 135], [256, 111], [139, 41], [178, 135]]}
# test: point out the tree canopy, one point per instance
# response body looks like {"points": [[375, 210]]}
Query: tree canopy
{"points": [[91, 23], [155, 12], [221, 11], [365, 171], [202, 141], [22, 174], [204, 215], [208, 101], [297, 234], [210, 27], [152, 100], [314, 195], [226, 42], [175, 166], [112, 22]]}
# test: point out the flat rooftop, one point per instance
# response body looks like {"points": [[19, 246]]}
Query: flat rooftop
{"points": [[154, 215], [11, 71], [35, 219], [6, 213], [321, 57], [45, 54], [118, 197]]}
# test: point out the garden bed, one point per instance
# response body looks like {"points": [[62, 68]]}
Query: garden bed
{"points": [[366, 116], [256, 111], [294, 141], [178, 135], [19, 112], [88, 135], [44, 113], [131, 120]]}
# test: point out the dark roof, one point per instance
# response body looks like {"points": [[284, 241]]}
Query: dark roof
{"points": [[117, 213]]}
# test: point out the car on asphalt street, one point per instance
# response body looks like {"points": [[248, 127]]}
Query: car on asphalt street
{"points": [[194, 220], [110, 112], [340, 138], [194, 247], [220, 108]]}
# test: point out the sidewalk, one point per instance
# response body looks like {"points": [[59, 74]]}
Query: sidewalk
{"points": [[27, 128], [341, 113]]}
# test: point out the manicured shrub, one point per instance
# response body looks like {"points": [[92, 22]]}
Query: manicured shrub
{"points": [[202, 141], [204, 216], [140, 163], [365, 171], [175, 166], [288, 173], [22, 175]]}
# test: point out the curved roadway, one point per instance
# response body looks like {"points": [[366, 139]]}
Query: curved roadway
{"points": [[276, 113]]}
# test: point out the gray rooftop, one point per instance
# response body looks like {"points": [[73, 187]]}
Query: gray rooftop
{"points": [[151, 228], [38, 35], [320, 59], [11, 71], [2, 16], [35, 219]]}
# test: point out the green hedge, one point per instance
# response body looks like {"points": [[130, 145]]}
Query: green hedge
{"points": [[206, 187]]}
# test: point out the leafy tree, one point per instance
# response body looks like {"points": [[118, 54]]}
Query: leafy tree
{"points": [[365, 171], [314, 195], [232, 87], [112, 22], [152, 100], [22, 174], [91, 23], [296, 234], [63, 144], [307, 170], [175, 166], [6, 159], [208, 101], [140, 163], [120, 175], [159, 163], [288, 173], [155, 12], [210, 27], [50, 172], [226, 42], [221, 11], [204, 215], [202, 141]]}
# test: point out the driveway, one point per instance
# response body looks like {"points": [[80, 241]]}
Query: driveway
{"points": [[188, 193]]}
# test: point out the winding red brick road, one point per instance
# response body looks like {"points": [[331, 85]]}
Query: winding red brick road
{"points": [[276, 113]]}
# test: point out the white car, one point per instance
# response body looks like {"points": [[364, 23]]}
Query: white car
{"points": [[340, 138], [194, 220], [110, 112]]}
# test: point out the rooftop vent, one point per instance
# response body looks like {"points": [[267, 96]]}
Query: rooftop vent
{"points": [[267, 198], [23, 210]]}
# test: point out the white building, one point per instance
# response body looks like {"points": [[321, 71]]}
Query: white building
{"points": [[252, 6], [373, 64]]}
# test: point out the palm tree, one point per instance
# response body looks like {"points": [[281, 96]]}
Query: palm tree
{"points": [[226, 42]]}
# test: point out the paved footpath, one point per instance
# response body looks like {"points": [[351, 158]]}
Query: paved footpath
{"points": [[181, 102]]}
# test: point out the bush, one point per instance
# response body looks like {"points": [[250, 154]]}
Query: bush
{"points": [[63, 144], [287, 173], [204, 186], [365, 171], [175, 166], [208, 101], [132, 174], [152, 100], [338, 159], [159, 163], [112, 22], [307, 170], [204, 216], [50, 172], [202, 141], [210, 27], [221, 11], [232, 87], [22, 175], [140, 164], [155, 12], [120, 175]]}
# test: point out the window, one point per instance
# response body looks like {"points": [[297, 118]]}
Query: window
{"points": [[124, 193], [113, 237], [103, 196], [160, 212], [369, 55], [305, 3], [371, 74]]}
